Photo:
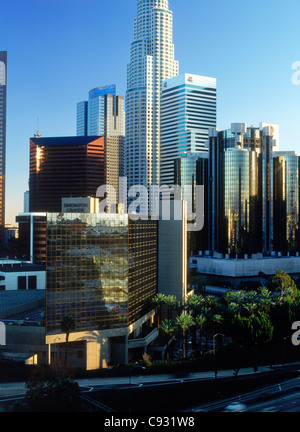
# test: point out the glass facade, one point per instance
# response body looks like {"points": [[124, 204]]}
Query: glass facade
{"points": [[151, 62], [286, 202], [104, 115], [101, 269], [64, 167], [188, 111], [191, 171], [240, 201]]}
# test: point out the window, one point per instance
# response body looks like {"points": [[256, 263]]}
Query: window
{"points": [[21, 282]]}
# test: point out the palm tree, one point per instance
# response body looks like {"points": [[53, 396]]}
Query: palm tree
{"points": [[158, 301], [67, 325], [184, 321], [168, 327], [194, 303], [171, 302], [199, 322]]}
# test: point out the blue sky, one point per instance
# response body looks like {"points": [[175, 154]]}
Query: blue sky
{"points": [[60, 49]]}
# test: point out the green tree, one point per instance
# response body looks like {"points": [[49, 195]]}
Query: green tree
{"points": [[200, 321], [283, 282], [67, 326], [168, 327], [184, 322], [171, 302], [157, 302]]}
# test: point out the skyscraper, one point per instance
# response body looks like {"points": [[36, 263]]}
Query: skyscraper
{"points": [[64, 167], [241, 189], [151, 62], [103, 115], [188, 111], [3, 81]]}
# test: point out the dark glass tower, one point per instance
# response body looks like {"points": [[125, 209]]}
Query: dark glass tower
{"points": [[241, 189], [64, 167], [3, 81]]}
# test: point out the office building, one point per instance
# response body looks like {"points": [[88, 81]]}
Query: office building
{"points": [[286, 174], [188, 111], [102, 270], [151, 62], [241, 189], [190, 171], [104, 115], [32, 237], [64, 167], [3, 94]]}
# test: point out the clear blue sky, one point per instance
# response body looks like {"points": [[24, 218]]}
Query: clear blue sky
{"points": [[60, 49]]}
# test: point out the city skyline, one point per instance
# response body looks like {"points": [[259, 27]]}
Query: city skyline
{"points": [[52, 66]]}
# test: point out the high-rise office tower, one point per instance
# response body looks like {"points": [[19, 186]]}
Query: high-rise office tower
{"points": [[102, 270], [286, 233], [103, 115], [64, 167], [241, 189], [190, 171], [151, 62], [3, 82], [188, 111]]}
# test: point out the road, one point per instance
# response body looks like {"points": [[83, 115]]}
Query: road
{"points": [[283, 398]]}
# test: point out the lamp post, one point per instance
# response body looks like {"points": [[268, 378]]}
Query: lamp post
{"points": [[130, 374]]}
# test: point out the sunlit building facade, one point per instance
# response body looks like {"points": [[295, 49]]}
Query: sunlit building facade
{"points": [[286, 166], [188, 111], [104, 115], [151, 62], [3, 95], [241, 189], [101, 270]]}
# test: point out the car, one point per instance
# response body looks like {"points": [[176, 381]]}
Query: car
{"points": [[235, 407]]}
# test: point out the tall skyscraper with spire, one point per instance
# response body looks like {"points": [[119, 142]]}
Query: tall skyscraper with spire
{"points": [[151, 62], [3, 69]]}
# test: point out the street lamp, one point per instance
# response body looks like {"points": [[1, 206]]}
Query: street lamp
{"points": [[130, 374]]}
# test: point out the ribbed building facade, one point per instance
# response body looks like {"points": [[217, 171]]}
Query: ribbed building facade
{"points": [[104, 115], [188, 111], [151, 62], [3, 83], [241, 189]]}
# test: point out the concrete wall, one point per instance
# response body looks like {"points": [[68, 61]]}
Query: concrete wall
{"points": [[172, 256]]}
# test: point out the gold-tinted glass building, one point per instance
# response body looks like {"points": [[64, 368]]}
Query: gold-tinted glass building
{"points": [[101, 269], [286, 202], [240, 198]]}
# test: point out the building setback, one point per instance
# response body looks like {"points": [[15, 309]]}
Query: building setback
{"points": [[151, 62], [188, 111], [3, 93], [103, 115]]}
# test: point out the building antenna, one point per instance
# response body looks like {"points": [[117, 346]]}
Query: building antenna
{"points": [[38, 134]]}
